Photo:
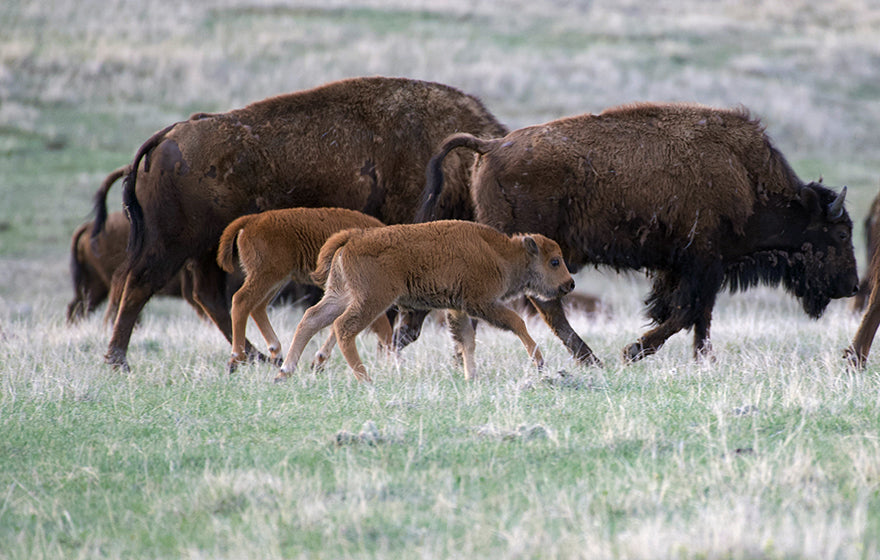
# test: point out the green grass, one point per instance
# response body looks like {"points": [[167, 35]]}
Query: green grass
{"points": [[770, 451]]}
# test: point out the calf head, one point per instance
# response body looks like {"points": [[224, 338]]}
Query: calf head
{"points": [[548, 277]]}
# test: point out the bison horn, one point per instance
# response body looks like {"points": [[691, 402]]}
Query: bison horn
{"points": [[835, 209]]}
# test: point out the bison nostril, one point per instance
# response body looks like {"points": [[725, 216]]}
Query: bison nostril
{"points": [[855, 289], [567, 287]]}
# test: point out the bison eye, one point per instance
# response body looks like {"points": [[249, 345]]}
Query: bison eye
{"points": [[842, 235], [554, 262]]}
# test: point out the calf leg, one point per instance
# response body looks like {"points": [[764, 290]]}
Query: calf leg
{"points": [[209, 291], [315, 318], [354, 320], [504, 318], [462, 329], [381, 326], [261, 318], [553, 314]]}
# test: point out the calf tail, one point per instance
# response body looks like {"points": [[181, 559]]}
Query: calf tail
{"points": [[226, 251], [328, 251], [129, 198], [434, 175], [100, 200]]}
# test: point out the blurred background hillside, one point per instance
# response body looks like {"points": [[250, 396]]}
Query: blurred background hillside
{"points": [[83, 83]]}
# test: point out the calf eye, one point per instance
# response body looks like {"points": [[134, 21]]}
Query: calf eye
{"points": [[554, 262]]}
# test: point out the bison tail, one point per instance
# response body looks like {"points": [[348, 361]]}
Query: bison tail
{"points": [[100, 200], [328, 251], [434, 175], [130, 203]]}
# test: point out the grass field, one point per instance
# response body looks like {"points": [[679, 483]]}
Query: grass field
{"points": [[770, 451]]}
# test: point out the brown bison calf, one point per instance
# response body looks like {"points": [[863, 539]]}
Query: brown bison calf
{"points": [[365, 272], [697, 196], [276, 247]]}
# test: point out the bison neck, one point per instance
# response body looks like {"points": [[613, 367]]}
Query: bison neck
{"points": [[775, 227]]}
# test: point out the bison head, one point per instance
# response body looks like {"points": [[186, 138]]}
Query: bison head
{"points": [[806, 245]]}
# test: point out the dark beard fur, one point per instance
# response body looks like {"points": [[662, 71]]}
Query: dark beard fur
{"points": [[799, 273]]}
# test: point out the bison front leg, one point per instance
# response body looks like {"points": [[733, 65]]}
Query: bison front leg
{"points": [[553, 314], [857, 353], [409, 327], [677, 302]]}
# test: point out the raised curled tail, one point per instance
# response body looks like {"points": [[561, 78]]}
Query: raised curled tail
{"points": [[226, 251], [434, 175], [328, 251], [129, 199], [100, 200]]}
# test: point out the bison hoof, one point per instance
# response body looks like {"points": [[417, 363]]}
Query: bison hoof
{"points": [[281, 377], [635, 352], [589, 359], [116, 358], [853, 359]]}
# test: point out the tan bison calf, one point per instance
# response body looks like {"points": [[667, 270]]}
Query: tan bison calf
{"points": [[464, 267], [276, 247]]}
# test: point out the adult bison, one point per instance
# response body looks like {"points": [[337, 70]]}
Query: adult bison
{"points": [[361, 143], [695, 195], [869, 292], [95, 258], [871, 230]]}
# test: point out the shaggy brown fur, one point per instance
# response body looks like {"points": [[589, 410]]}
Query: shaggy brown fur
{"points": [[359, 143], [367, 271], [698, 196], [94, 260], [274, 248]]}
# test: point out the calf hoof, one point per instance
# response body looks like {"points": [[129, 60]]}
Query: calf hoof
{"points": [[635, 352], [318, 362], [281, 377]]}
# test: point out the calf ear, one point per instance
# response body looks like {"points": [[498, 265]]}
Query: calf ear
{"points": [[530, 245]]}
